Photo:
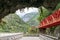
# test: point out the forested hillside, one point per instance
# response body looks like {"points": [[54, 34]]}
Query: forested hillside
{"points": [[13, 23]]}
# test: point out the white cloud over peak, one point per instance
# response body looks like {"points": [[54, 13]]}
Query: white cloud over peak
{"points": [[25, 11]]}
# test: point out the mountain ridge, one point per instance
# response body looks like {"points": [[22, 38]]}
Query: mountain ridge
{"points": [[28, 16]]}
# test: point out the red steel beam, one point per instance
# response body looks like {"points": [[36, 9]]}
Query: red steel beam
{"points": [[51, 20]]}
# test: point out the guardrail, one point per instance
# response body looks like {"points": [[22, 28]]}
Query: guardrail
{"points": [[48, 36], [12, 37]]}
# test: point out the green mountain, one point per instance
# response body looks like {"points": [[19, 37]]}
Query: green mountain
{"points": [[29, 16], [13, 23], [34, 20]]}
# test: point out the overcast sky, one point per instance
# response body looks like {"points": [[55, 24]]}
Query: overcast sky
{"points": [[25, 11]]}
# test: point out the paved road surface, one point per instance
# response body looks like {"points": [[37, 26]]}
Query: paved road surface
{"points": [[35, 38], [13, 36], [41, 37], [30, 38]]}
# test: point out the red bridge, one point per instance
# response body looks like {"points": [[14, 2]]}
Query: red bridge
{"points": [[51, 20]]}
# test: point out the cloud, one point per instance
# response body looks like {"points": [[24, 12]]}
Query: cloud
{"points": [[22, 12]]}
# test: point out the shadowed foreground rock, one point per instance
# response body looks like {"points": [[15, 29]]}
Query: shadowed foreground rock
{"points": [[10, 6]]}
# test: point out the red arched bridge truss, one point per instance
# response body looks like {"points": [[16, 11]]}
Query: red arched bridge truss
{"points": [[51, 20]]}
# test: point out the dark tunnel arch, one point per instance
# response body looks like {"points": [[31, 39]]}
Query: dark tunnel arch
{"points": [[10, 6]]}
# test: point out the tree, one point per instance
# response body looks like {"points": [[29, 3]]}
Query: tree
{"points": [[10, 6], [13, 23], [46, 13]]}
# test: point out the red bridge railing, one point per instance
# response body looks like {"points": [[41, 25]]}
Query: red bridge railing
{"points": [[51, 20]]}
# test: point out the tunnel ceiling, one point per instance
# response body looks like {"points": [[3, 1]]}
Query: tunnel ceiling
{"points": [[10, 6]]}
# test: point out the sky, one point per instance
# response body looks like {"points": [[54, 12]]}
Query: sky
{"points": [[24, 11]]}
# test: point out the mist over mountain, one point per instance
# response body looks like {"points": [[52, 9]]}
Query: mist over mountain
{"points": [[34, 21], [29, 16]]}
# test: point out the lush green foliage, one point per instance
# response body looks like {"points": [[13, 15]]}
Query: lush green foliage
{"points": [[13, 23], [45, 13]]}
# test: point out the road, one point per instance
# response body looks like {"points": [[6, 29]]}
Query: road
{"points": [[41, 37], [35, 38], [30, 38], [19, 36]]}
